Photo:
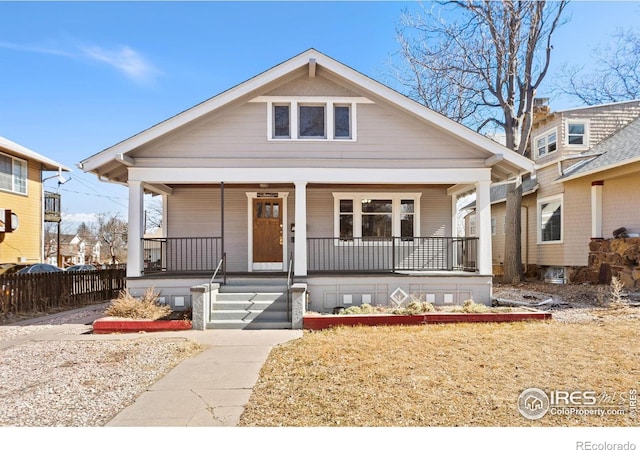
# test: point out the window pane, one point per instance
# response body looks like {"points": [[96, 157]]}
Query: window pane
{"points": [[550, 221], [346, 206], [406, 225], [377, 206], [267, 210], [259, 211], [20, 176], [6, 173], [276, 211], [346, 226], [281, 121], [541, 146], [342, 123], [376, 225], [312, 121], [406, 207], [576, 133]]}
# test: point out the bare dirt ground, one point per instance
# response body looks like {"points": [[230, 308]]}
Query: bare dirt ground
{"points": [[572, 302]]}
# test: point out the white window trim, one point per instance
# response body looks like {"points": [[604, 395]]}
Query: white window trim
{"points": [[13, 181], [357, 198], [544, 135], [585, 143], [539, 219], [494, 226], [328, 102]]}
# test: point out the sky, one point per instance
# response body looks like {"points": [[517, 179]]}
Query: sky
{"points": [[78, 77]]}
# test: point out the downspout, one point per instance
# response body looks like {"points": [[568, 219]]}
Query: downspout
{"points": [[526, 239]]}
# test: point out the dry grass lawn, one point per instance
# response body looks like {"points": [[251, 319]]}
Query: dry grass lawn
{"points": [[444, 375]]}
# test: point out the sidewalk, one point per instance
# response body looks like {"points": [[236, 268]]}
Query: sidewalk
{"points": [[210, 389]]}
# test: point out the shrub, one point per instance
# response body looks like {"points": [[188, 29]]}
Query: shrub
{"points": [[144, 307], [414, 308], [469, 306]]}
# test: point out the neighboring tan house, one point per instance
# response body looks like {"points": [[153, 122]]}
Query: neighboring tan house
{"points": [[571, 149], [316, 171], [22, 172]]}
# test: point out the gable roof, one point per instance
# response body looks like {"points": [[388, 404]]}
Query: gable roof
{"points": [[498, 192], [622, 147], [507, 159], [24, 152]]}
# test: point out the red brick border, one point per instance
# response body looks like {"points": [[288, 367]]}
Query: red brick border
{"points": [[322, 322], [110, 325]]}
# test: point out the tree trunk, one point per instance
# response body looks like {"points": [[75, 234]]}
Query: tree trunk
{"points": [[513, 272]]}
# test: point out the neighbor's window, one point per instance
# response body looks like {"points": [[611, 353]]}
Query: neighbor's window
{"points": [[546, 144], [494, 225], [342, 121], [13, 174], [281, 121], [311, 122], [576, 133], [550, 220]]}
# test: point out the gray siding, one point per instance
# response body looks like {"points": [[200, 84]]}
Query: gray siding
{"points": [[236, 136]]}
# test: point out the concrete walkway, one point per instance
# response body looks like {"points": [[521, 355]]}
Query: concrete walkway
{"points": [[210, 389]]}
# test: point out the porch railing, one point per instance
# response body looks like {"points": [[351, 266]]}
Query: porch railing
{"points": [[392, 254], [181, 254]]}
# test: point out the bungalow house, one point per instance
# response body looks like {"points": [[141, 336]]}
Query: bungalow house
{"points": [[315, 173], [24, 206], [585, 187]]}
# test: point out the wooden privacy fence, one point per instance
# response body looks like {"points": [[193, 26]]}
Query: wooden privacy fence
{"points": [[42, 292]]}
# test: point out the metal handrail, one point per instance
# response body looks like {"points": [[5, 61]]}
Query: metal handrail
{"points": [[220, 264], [289, 278]]}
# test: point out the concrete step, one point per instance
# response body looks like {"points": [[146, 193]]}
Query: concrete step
{"points": [[223, 305], [263, 288], [249, 315], [248, 325], [251, 296]]}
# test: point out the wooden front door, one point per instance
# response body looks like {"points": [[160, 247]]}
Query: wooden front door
{"points": [[267, 230]]}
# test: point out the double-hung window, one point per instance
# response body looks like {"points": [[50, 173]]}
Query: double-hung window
{"points": [[546, 143], [376, 216], [550, 219], [13, 174], [577, 133]]}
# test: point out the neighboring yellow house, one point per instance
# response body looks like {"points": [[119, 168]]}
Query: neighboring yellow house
{"points": [[21, 192]]}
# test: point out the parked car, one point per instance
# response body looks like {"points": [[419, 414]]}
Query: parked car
{"points": [[81, 268], [9, 268], [39, 268]]}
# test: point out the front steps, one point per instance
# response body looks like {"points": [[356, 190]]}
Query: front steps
{"points": [[247, 306]]}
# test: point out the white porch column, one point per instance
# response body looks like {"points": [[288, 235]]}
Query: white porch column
{"points": [[596, 209], [136, 223], [483, 227], [300, 247]]}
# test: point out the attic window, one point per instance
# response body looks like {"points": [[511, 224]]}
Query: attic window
{"points": [[576, 132], [546, 143], [311, 118]]}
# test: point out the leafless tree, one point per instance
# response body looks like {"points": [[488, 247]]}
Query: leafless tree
{"points": [[616, 77], [112, 232], [480, 63]]}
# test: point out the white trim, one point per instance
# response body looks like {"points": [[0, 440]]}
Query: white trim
{"points": [[523, 164], [28, 154], [357, 197], [13, 177], [585, 138], [596, 210], [252, 266], [549, 199], [545, 136], [309, 174], [294, 103]]}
